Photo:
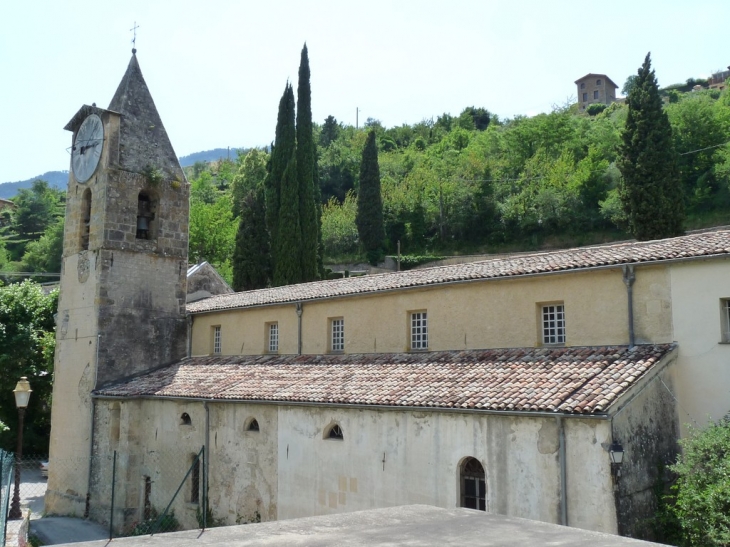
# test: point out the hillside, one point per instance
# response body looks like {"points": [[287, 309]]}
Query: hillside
{"points": [[59, 179], [55, 179]]}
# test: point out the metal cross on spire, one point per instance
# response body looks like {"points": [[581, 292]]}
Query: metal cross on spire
{"points": [[134, 37]]}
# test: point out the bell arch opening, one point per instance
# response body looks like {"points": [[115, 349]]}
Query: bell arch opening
{"points": [[147, 224]]}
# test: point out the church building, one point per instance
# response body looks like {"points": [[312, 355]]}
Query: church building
{"points": [[551, 386]]}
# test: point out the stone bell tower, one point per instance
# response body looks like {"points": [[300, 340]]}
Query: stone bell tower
{"points": [[121, 309]]}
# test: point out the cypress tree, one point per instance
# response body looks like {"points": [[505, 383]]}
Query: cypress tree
{"points": [[251, 257], [281, 153], [305, 173], [651, 191], [288, 267], [369, 218]]}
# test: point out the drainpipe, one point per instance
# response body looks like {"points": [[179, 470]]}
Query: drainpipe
{"points": [[191, 318], [629, 278], [91, 434], [563, 474], [206, 461], [299, 321]]}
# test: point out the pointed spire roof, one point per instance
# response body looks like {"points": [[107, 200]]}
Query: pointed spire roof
{"points": [[143, 141]]}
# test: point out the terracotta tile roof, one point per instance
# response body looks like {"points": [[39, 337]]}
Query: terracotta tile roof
{"points": [[704, 244], [581, 380]]}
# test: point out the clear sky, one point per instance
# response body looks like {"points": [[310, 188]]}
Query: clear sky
{"points": [[216, 68]]}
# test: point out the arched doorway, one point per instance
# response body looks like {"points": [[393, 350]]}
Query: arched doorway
{"points": [[473, 485]]}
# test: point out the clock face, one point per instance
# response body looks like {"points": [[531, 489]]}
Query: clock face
{"points": [[87, 148]]}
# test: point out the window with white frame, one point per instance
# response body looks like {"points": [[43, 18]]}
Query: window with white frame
{"points": [[419, 330], [273, 338], [337, 342], [553, 324], [217, 339], [725, 319]]}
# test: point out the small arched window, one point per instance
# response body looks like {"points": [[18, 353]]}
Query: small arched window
{"points": [[473, 485], [334, 432], [253, 425], [85, 219], [598, 82], [185, 419]]}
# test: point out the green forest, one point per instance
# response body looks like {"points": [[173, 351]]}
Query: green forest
{"points": [[466, 184], [475, 183]]}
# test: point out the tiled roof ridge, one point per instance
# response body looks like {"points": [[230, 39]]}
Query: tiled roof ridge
{"points": [[573, 380], [540, 262]]}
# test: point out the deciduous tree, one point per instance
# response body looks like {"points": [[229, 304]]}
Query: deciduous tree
{"points": [[27, 339]]}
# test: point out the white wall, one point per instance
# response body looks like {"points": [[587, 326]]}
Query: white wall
{"points": [[702, 373]]}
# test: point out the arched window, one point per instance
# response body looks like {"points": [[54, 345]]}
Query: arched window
{"points": [[85, 218], [473, 485], [334, 432], [185, 419], [146, 216], [253, 425]]}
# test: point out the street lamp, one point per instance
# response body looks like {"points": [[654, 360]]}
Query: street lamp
{"points": [[22, 393], [616, 453]]}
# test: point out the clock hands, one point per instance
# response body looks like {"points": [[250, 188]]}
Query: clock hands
{"points": [[84, 148]]}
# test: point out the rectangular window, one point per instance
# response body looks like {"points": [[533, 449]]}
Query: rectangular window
{"points": [[553, 324], [338, 335], [725, 319], [217, 339], [595, 94], [585, 97], [419, 330], [273, 345]]}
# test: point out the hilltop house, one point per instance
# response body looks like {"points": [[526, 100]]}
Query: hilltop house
{"points": [[595, 88]]}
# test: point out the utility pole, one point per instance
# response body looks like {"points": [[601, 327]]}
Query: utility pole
{"points": [[357, 111]]}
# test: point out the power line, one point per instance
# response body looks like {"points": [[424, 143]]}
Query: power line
{"points": [[36, 274], [703, 149]]}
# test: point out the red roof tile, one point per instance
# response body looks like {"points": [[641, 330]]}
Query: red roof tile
{"points": [[705, 244], [583, 380]]}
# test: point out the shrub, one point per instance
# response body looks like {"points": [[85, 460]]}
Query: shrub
{"points": [[702, 489]]}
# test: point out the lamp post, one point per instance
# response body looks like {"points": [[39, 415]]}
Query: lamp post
{"points": [[22, 395]]}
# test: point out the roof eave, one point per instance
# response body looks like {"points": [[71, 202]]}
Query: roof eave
{"points": [[458, 281]]}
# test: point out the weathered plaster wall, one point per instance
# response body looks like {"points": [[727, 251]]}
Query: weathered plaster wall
{"points": [[74, 377], [151, 440], [648, 429], [422, 453], [486, 314], [289, 469], [702, 374]]}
